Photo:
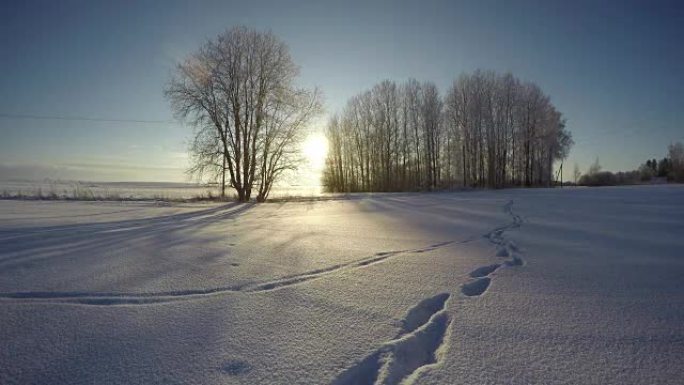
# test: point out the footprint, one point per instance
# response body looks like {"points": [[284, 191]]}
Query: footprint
{"points": [[365, 372], [421, 313], [484, 270], [235, 367], [496, 235], [394, 362], [476, 287], [414, 351], [515, 261]]}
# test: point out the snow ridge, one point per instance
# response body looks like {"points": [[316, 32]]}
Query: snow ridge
{"points": [[122, 298]]}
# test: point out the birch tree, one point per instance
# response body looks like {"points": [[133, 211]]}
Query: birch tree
{"points": [[489, 130]]}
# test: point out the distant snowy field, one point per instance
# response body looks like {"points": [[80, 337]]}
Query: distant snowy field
{"points": [[131, 190], [541, 286]]}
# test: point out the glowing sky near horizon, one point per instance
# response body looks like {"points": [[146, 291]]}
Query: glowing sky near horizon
{"points": [[612, 68]]}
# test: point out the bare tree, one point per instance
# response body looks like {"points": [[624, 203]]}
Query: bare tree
{"points": [[595, 168], [240, 87], [576, 173], [431, 111], [676, 155]]}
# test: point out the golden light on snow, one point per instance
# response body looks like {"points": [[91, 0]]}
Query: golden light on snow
{"points": [[315, 149]]}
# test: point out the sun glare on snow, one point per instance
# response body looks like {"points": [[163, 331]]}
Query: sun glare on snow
{"points": [[315, 149]]}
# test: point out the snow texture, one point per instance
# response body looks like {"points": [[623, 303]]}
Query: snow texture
{"points": [[543, 286]]}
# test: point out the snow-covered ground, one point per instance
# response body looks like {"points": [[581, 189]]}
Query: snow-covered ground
{"points": [[543, 286], [114, 191]]}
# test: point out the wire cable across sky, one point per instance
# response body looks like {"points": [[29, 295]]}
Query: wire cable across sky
{"points": [[83, 119]]}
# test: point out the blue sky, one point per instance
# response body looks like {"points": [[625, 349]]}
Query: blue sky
{"points": [[613, 68]]}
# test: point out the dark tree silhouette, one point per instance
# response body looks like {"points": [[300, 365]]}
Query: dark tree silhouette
{"points": [[238, 92]]}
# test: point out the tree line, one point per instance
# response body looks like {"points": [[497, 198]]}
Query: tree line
{"points": [[669, 168], [489, 130], [237, 91]]}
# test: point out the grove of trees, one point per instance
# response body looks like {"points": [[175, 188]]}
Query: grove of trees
{"points": [[669, 168], [489, 130], [238, 92]]}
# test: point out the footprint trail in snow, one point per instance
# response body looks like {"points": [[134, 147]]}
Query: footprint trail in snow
{"points": [[425, 327]]}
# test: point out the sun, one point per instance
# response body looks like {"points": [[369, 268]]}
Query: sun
{"points": [[315, 149]]}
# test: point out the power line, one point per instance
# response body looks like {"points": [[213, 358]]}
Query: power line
{"points": [[82, 118]]}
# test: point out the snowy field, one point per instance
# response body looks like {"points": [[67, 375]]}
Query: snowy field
{"points": [[542, 286], [49, 189]]}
